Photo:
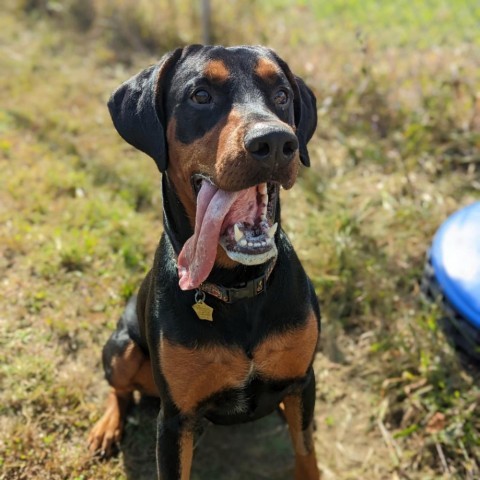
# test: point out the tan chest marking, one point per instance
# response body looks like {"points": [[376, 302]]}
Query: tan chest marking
{"points": [[194, 374], [289, 354]]}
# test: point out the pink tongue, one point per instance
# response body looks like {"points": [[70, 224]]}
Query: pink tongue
{"points": [[197, 257]]}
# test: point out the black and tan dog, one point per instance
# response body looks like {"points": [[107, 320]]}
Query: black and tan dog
{"points": [[226, 323]]}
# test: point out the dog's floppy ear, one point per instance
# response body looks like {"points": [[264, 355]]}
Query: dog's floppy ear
{"points": [[305, 110], [305, 118], [136, 114]]}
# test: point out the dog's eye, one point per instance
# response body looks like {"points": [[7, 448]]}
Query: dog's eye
{"points": [[202, 97], [281, 97]]}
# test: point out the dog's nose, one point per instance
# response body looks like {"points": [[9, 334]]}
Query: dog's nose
{"points": [[271, 145]]}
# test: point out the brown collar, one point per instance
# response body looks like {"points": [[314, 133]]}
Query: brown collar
{"points": [[248, 289]]}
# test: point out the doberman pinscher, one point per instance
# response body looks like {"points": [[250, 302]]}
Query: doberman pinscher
{"points": [[226, 323]]}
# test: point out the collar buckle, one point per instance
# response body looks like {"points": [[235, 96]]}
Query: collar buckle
{"points": [[248, 290]]}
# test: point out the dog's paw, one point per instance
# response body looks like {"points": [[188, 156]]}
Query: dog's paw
{"points": [[105, 435]]}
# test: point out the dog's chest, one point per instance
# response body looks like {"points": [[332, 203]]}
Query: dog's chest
{"points": [[195, 374]]}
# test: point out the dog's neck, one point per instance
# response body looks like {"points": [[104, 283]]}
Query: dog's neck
{"points": [[178, 230]]}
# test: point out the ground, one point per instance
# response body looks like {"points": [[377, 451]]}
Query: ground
{"points": [[396, 151]]}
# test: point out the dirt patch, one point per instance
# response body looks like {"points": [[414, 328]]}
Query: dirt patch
{"points": [[348, 442]]}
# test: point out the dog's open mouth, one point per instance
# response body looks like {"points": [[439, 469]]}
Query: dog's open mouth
{"points": [[248, 233], [241, 222]]}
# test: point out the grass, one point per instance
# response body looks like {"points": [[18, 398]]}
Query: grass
{"points": [[397, 150]]}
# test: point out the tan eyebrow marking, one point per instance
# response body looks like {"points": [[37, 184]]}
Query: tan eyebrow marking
{"points": [[267, 70], [216, 71]]}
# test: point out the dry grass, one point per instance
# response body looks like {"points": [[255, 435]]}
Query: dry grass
{"points": [[396, 151]]}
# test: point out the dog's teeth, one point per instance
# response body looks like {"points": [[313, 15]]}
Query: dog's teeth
{"points": [[263, 217], [264, 244], [262, 188], [243, 242], [250, 244], [237, 232], [272, 230]]}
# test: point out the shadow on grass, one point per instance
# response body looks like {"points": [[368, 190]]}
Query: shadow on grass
{"points": [[259, 450]]}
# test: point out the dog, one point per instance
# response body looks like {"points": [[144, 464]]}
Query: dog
{"points": [[226, 323]]}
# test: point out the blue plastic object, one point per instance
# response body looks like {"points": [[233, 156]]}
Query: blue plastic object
{"points": [[455, 259]]}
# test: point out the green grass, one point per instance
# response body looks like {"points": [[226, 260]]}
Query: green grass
{"points": [[397, 149], [405, 23]]}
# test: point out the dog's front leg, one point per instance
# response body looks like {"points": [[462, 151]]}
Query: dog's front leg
{"points": [[298, 410], [174, 444]]}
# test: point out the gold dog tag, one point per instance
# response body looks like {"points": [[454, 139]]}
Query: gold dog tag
{"points": [[203, 311]]}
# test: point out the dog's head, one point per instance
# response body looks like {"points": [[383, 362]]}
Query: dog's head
{"points": [[228, 126]]}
